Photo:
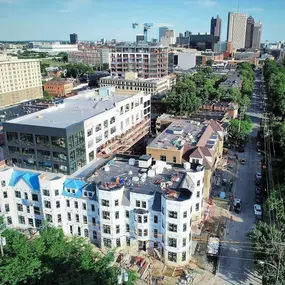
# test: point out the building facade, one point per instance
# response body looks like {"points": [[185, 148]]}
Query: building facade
{"points": [[148, 86], [139, 38], [237, 29], [93, 57], [203, 41], [249, 32], [111, 215], [257, 31], [162, 31], [58, 87], [20, 80], [216, 26], [66, 137], [147, 60], [73, 39]]}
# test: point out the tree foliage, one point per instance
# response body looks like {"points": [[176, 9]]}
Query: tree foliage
{"points": [[239, 130], [77, 69], [52, 258]]}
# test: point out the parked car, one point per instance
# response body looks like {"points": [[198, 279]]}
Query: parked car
{"points": [[258, 199], [257, 210], [258, 190], [258, 175], [257, 182], [237, 205]]}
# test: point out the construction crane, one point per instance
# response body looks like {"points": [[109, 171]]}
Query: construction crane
{"points": [[147, 26]]}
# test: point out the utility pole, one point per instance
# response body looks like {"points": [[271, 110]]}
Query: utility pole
{"points": [[280, 256]]}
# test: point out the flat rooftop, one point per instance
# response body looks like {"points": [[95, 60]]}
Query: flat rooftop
{"points": [[172, 181], [74, 109], [178, 133]]}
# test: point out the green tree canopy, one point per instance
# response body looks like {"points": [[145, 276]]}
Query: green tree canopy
{"points": [[76, 69], [239, 130]]}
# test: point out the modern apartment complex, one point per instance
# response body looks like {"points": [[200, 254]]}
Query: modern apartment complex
{"points": [[147, 60], [92, 57], [151, 86], [129, 201], [256, 35], [181, 141], [237, 23], [68, 136], [20, 80]]}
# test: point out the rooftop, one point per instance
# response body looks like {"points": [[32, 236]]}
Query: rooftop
{"points": [[154, 179], [143, 80], [74, 109]]}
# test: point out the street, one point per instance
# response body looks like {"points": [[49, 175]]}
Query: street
{"points": [[236, 260]]}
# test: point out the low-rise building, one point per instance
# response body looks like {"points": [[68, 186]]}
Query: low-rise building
{"points": [[128, 201], [55, 48], [93, 57], [233, 81], [229, 108], [58, 87], [151, 86], [65, 137], [181, 141]]}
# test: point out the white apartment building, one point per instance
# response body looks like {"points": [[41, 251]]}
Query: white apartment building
{"points": [[55, 48], [127, 202], [68, 136], [20, 80], [151, 86], [237, 23]]}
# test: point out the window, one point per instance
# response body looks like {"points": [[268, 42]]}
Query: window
{"points": [[3, 183], [28, 209], [35, 197], [139, 232], [85, 219], [37, 211], [198, 194], [5, 195], [185, 214], [117, 202], [155, 219], [128, 241], [93, 221], [94, 235], [172, 214], [84, 206], [184, 242], [20, 207], [139, 219], [174, 159], [191, 210], [118, 242], [59, 218], [197, 207], [18, 194], [183, 255], [145, 219], [172, 242], [117, 229], [46, 192], [67, 203], [7, 208], [127, 214], [162, 224], [155, 233], [77, 218], [106, 215], [162, 210], [89, 132], [47, 204], [79, 231], [56, 192], [26, 195], [9, 220], [92, 207], [145, 232], [163, 157], [127, 228], [138, 203], [144, 204], [75, 204], [49, 218], [106, 229], [172, 228], [172, 256], [105, 203], [198, 183], [38, 223], [184, 227], [117, 215], [86, 233], [21, 220], [69, 216], [57, 203], [70, 229]]}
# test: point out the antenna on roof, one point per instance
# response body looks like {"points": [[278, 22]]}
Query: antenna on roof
{"points": [[238, 5]]}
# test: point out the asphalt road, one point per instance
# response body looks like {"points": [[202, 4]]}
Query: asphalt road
{"points": [[236, 260]]}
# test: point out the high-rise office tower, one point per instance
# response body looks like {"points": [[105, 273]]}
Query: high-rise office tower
{"points": [[249, 32], [73, 38], [162, 31], [236, 29], [216, 26], [257, 35]]}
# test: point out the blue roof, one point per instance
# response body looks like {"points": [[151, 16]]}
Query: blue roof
{"points": [[32, 179], [76, 184]]}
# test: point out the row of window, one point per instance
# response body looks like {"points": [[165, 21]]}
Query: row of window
{"points": [[139, 204]]}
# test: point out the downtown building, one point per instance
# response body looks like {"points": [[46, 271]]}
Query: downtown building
{"points": [[148, 61], [127, 201], [216, 26], [93, 57], [66, 137], [20, 80]]}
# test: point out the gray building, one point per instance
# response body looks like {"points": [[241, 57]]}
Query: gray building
{"points": [[73, 39], [216, 26], [139, 38], [203, 41], [256, 35], [162, 31], [249, 32]]}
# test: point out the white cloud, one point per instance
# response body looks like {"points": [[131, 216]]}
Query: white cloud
{"points": [[204, 3], [73, 5]]}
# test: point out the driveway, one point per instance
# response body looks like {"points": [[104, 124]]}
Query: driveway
{"points": [[236, 260]]}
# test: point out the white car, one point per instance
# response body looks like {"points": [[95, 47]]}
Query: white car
{"points": [[257, 210]]}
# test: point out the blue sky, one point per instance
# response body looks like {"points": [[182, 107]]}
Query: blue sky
{"points": [[95, 19]]}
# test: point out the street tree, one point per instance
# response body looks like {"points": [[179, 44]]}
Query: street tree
{"points": [[239, 130]]}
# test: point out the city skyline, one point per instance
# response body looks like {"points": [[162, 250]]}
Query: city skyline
{"points": [[110, 20]]}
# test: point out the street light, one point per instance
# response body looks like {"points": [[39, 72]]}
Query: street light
{"points": [[275, 267]]}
